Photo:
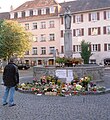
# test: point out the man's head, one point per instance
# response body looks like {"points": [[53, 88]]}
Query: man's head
{"points": [[11, 60]]}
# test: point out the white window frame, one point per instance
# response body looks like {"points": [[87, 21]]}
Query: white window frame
{"points": [[94, 16], [108, 29], [52, 50], [78, 32], [52, 9], [108, 15], [78, 18], [51, 37], [19, 14], [34, 25], [43, 37], [11, 15], [51, 24], [35, 38], [35, 12], [94, 47], [43, 11], [43, 25], [43, 50], [94, 31], [108, 47], [27, 26], [27, 13], [34, 50]]}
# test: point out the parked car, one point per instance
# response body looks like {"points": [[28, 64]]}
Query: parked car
{"points": [[23, 66]]}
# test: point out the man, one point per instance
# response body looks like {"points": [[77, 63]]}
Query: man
{"points": [[10, 79]]}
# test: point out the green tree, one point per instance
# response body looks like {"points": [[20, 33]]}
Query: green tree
{"points": [[14, 40], [85, 51]]}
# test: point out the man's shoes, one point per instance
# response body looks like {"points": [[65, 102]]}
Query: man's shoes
{"points": [[5, 104], [12, 105]]}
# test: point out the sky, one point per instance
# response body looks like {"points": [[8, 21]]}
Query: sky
{"points": [[5, 4]]}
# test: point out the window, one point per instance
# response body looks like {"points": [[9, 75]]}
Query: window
{"points": [[34, 25], [39, 62], [43, 50], [51, 37], [94, 16], [51, 24], [76, 48], [94, 31], [35, 12], [108, 29], [95, 47], [27, 26], [34, 50], [108, 15], [19, 14], [78, 18], [43, 25], [109, 47], [43, 37], [35, 38], [78, 32], [43, 11], [52, 50], [27, 13], [31, 12], [12, 15], [52, 9], [27, 53], [23, 14], [16, 15]]}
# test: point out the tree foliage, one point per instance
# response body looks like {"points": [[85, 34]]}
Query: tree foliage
{"points": [[85, 51], [14, 40]]}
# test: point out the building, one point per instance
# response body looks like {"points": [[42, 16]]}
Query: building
{"points": [[44, 18]]}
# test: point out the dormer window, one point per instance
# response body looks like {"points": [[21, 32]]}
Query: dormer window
{"points": [[43, 11], [23, 14], [35, 12], [11, 15], [52, 9], [19, 14], [31, 12], [27, 13]]}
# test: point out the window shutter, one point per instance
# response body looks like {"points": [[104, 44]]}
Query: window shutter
{"points": [[104, 30], [89, 31], [61, 20], [39, 12], [62, 49], [61, 33], [82, 31], [98, 17], [98, 47], [81, 17], [105, 47], [74, 34], [90, 47], [98, 30], [104, 15], [73, 18], [73, 48], [89, 16], [47, 10]]}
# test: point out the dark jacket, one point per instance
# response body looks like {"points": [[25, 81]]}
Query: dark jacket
{"points": [[10, 75]]}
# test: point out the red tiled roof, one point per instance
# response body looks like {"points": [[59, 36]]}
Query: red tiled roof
{"points": [[35, 4]]}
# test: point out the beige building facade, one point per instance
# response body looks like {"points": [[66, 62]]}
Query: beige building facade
{"points": [[44, 19]]}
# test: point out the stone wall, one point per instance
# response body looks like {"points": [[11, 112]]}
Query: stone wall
{"points": [[97, 72]]}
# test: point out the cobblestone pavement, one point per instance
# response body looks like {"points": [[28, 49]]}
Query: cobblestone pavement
{"points": [[33, 107]]}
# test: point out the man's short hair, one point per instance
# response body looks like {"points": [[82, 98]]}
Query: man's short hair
{"points": [[11, 59]]}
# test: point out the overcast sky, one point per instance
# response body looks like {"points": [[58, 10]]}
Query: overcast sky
{"points": [[5, 4]]}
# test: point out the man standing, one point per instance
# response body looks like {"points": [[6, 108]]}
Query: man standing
{"points": [[10, 79]]}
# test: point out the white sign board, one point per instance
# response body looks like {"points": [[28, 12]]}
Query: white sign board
{"points": [[61, 73], [68, 74]]}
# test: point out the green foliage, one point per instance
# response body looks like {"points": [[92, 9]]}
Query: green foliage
{"points": [[61, 60], [85, 51], [14, 40]]}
